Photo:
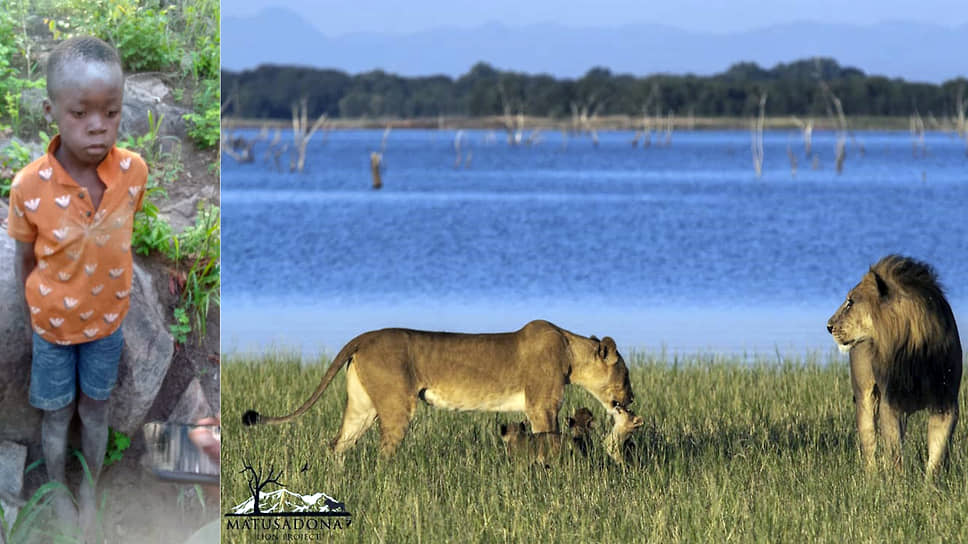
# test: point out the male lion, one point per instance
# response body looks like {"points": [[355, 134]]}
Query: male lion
{"points": [[905, 356], [525, 370]]}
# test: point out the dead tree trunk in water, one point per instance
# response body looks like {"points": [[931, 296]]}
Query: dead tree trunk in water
{"points": [[457, 139], [917, 135], [793, 161], [841, 148], [961, 104], [302, 132], [376, 161], [756, 130], [807, 129], [670, 123]]}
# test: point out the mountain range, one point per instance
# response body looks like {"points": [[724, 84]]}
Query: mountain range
{"points": [[913, 51], [283, 500]]}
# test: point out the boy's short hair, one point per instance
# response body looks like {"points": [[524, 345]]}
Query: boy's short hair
{"points": [[85, 48]]}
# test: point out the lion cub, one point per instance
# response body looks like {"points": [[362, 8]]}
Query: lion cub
{"points": [[521, 444], [625, 423]]}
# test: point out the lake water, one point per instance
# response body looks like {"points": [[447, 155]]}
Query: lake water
{"points": [[676, 247]]}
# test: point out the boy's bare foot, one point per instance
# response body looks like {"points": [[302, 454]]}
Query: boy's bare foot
{"points": [[63, 506], [87, 505]]}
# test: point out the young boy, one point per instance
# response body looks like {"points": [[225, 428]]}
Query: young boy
{"points": [[71, 212]]}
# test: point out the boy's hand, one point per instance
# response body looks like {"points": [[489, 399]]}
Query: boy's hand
{"points": [[205, 440]]}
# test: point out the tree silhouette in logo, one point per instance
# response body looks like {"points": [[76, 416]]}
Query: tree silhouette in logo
{"points": [[257, 483]]}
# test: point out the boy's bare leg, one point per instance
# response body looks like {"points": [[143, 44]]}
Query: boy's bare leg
{"points": [[53, 434], [94, 442]]}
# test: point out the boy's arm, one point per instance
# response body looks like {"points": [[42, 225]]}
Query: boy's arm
{"points": [[24, 263]]}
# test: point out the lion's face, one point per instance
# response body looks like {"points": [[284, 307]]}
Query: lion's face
{"points": [[580, 425], [625, 421], [853, 322], [516, 437], [602, 371]]}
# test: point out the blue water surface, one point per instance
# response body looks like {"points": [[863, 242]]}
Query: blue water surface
{"points": [[676, 246]]}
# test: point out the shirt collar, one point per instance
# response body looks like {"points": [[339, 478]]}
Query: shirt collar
{"points": [[108, 169]]}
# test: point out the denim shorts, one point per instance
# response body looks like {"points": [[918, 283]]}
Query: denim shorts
{"points": [[55, 370]]}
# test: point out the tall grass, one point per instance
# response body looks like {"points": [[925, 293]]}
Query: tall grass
{"points": [[731, 451]]}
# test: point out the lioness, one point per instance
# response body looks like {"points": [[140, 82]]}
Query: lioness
{"points": [[525, 370], [521, 444], [905, 356]]}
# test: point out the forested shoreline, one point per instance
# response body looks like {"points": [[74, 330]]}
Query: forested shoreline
{"points": [[805, 88]]}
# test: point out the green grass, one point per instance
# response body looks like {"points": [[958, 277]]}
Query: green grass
{"points": [[731, 451]]}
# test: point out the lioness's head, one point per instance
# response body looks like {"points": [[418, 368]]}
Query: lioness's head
{"points": [[853, 322], [600, 368]]}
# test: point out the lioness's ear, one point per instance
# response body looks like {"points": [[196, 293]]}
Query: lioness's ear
{"points": [[504, 430], [571, 422], [521, 426], [607, 349]]}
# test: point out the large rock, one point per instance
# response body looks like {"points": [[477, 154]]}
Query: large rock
{"points": [[144, 92], [12, 459], [148, 350], [192, 405], [18, 420]]}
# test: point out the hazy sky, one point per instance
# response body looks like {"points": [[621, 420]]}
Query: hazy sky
{"points": [[341, 17]]}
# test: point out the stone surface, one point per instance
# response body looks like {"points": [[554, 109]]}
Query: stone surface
{"points": [[144, 92], [180, 212], [12, 459], [148, 350], [145, 360], [192, 406], [18, 420]]}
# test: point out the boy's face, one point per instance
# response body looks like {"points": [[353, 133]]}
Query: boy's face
{"points": [[87, 109]]}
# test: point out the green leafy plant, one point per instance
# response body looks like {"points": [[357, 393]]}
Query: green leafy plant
{"points": [[118, 442], [20, 529], [148, 145], [15, 45], [181, 327], [151, 232], [200, 21], [204, 121], [200, 245], [12, 158], [141, 33]]}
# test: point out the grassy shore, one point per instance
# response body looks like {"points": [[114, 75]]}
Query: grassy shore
{"points": [[731, 451]]}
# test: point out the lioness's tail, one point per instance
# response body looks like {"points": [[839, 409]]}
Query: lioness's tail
{"points": [[252, 417]]}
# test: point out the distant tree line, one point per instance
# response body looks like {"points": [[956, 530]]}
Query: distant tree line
{"points": [[269, 92]]}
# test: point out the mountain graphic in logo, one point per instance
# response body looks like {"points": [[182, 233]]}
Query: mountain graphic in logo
{"points": [[285, 501]]}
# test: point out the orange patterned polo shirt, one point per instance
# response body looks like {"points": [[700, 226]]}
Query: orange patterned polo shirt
{"points": [[79, 290]]}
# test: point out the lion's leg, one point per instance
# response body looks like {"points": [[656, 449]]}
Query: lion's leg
{"points": [[890, 425], [867, 397], [544, 424], [866, 407], [394, 420], [358, 416], [941, 426]]}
